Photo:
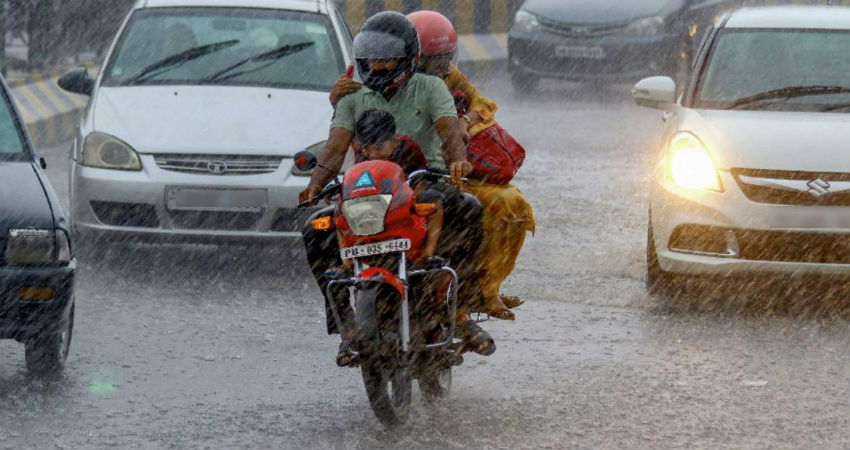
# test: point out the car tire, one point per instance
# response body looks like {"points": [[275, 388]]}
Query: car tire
{"points": [[46, 355], [658, 282], [524, 82]]}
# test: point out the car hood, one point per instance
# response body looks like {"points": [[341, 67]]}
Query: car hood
{"points": [[213, 119], [599, 11], [23, 202], [800, 141]]}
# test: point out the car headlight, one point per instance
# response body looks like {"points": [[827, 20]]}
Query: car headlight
{"points": [[648, 26], [108, 152], [33, 247], [366, 215], [526, 22], [690, 165], [315, 149]]}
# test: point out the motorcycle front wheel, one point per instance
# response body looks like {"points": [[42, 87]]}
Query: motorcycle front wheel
{"points": [[388, 382], [389, 391]]}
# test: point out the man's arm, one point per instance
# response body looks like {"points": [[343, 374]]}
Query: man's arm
{"points": [[330, 161], [455, 149]]}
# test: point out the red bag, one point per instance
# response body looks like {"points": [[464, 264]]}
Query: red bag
{"points": [[495, 155]]}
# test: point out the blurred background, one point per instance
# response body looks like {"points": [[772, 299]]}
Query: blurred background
{"points": [[46, 33]]}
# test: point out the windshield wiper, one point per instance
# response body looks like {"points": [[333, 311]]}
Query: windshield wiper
{"points": [[790, 92], [178, 59], [272, 56]]}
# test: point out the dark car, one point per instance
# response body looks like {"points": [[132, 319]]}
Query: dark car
{"points": [[36, 263], [606, 40]]}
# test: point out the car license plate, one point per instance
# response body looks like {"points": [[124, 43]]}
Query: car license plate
{"points": [[579, 51], [378, 248], [195, 199]]}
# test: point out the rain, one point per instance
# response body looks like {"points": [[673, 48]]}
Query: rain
{"points": [[673, 175]]}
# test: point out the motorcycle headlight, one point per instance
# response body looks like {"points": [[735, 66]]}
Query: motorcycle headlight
{"points": [[526, 22], [366, 215], [108, 152], [690, 165], [648, 26], [33, 247]]}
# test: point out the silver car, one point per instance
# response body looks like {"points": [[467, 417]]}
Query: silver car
{"points": [[196, 115]]}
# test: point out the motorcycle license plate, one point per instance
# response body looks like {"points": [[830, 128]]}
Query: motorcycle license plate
{"points": [[378, 248]]}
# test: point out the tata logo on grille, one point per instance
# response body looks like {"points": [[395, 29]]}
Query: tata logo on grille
{"points": [[581, 31], [818, 187], [217, 167]]}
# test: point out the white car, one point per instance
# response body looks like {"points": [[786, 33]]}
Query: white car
{"points": [[196, 115], [754, 171]]}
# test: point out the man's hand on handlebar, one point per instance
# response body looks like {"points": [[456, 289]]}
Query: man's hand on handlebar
{"points": [[307, 195]]}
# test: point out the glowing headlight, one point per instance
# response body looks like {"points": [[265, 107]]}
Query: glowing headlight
{"points": [[366, 215], [648, 26], [690, 164], [107, 152], [32, 247], [526, 22]]}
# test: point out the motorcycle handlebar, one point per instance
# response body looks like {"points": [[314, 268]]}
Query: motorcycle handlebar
{"points": [[328, 191]]}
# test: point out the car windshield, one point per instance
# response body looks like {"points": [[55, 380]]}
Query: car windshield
{"points": [[11, 143], [228, 46], [807, 69]]}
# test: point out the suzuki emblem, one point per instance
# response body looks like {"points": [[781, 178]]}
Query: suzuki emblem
{"points": [[818, 187], [217, 167]]}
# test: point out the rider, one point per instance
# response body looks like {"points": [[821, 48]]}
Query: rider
{"points": [[387, 54], [507, 215]]}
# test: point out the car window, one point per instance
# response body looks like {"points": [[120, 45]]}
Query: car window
{"points": [[749, 62], [224, 38], [10, 134]]}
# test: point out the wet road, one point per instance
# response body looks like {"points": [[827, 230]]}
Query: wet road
{"points": [[207, 347]]}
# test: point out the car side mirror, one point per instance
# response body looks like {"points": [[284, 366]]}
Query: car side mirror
{"points": [[306, 161], [77, 81], [42, 162], [655, 92]]}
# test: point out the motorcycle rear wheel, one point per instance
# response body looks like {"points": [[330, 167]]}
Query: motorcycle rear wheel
{"points": [[436, 385]]}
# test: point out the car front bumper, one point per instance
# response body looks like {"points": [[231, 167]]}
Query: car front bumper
{"points": [[727, 233], [620, 57], [133, 205], [23, 319]]}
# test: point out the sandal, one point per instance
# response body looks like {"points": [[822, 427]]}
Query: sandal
{"points": [[476, 339], [510, 301], [345, 357], [497, 310]]}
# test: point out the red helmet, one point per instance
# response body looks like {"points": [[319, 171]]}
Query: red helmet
{"points": [[437, 35]]}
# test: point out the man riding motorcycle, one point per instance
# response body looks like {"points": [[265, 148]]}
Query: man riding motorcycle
{"points": [[387, 54]]}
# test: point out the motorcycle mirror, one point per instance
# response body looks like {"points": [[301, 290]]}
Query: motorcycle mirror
{"points": [[305, 161]]}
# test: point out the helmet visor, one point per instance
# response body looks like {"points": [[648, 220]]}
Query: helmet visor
{"points": [[378, 45]]}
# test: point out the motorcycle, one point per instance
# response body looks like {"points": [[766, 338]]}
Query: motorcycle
{"points": [[402, 318]]}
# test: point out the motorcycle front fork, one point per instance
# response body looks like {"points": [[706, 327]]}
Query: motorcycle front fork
{"points": [[404, 310]]}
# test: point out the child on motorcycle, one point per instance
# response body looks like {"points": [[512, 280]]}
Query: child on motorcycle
{"points": [[376, 139]]}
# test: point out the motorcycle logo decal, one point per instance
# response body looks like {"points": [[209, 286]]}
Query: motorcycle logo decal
{"points": [[818, 187], [365, 181]]}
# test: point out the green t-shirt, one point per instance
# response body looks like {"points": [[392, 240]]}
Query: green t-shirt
{"points": [[424, 100]]}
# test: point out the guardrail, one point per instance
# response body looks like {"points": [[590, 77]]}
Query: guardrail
{"points": [[469, 16]]}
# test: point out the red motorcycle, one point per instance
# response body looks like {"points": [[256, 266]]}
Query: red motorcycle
{"points": [[401, 316]]}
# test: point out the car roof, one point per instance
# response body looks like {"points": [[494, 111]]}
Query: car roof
{"points": [[794, 17], [296, 5]]}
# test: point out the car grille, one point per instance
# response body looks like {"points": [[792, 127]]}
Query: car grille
{"points": [[580, 30], [218, 164], [291, 219], [216, 220], [794, 188]]}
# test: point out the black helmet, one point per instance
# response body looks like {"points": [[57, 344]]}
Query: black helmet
{"points": [[385, 36]]}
